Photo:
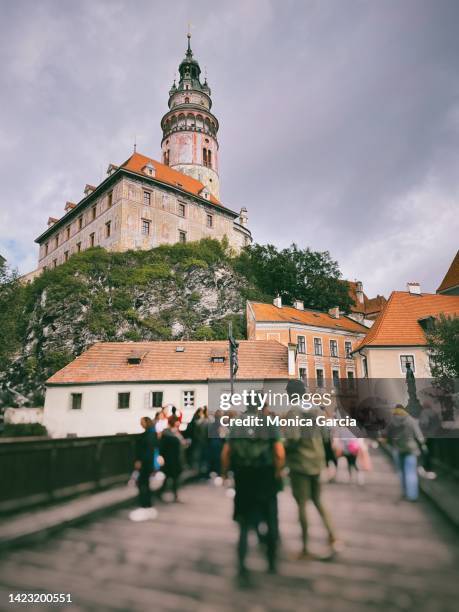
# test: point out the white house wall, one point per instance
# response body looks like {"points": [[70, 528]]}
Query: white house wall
{"points": [[99, 414]]}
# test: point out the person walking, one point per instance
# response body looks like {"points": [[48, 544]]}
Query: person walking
{"points": [[171, 450], [305, 455], [256, 457], [146, 444], [406, 439]]}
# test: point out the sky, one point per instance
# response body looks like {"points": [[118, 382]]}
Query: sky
{"points": [[339, 121]]}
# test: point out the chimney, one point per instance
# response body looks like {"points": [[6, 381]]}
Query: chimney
{"points": [[298, 304], [243, 218], [414, 288], [334, 312], [277, 301], [359, 291]]}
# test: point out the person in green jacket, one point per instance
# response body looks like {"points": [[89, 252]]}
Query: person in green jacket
{"points": [[305, 458]]}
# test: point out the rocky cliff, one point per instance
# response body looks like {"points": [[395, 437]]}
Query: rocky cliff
{"points": [[183, 292]]}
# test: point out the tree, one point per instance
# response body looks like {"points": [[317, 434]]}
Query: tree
{"points": [[293, 273], [443, 341], [11, 305]]}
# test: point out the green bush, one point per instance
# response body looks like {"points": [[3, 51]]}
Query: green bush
{"points": [[15, 430]]}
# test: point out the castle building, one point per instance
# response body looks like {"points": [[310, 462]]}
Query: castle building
{"points": [[144, 203]]}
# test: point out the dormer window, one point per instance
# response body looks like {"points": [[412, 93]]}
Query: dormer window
{"points": [[205, 193], [149, 169], [111, 169], [135, 358]]}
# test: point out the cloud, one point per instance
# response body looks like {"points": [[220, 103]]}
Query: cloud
{"points": [[339, 121]]}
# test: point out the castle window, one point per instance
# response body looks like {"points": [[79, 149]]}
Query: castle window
{"points": [[146, 198], [109, 199], [188, 399], [181, 209], [108, 229], [54, 263], [94, 212], [317, 346], [320, 377], [92, 239], [209, 158], [204, 157], [404, 360], [76, 400], [78, 247], [80, 222], [66, 256], [182, 237], [187, 100], [146, 227], [123, 400], [302, 373], [67, 232], [210, 221], [301, 344], [333, 348], [46, 248], [57, 240], [156, 399], [348, 348]]}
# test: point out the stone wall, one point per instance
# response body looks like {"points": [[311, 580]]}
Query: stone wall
{"points": [[129, 208]]}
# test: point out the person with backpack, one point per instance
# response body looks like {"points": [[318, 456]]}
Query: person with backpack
{"points": [[405, 437], [256, 457]]}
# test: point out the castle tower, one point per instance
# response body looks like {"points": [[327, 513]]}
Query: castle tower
{"points": [[189, 142]]}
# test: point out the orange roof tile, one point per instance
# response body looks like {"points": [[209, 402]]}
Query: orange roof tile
{"points": [[107, 362], [398, 324], [451, 277], [165, 174], [288, 314], [370, 306]]}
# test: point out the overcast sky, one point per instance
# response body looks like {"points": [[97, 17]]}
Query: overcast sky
{"points": [[339, 120]]}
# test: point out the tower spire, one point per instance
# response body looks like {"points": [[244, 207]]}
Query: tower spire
{"points": [[189, 52]]}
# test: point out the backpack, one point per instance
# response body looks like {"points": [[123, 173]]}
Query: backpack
{"points": [[251, 452]]}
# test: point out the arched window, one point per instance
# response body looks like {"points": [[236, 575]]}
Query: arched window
{"points": [[204, 157], [187, 100], [209, 158]]}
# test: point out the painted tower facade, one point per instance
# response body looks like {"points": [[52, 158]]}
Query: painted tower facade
{"points": [[189, 142]]}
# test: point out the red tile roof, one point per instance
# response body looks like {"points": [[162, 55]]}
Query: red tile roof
{"points": [[398, 324], [288, 314], [451, 279], [371, 307], [165, 174], [107, 362]]}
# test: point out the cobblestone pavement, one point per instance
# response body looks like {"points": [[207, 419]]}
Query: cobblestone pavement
{"points": [[398, 556]]}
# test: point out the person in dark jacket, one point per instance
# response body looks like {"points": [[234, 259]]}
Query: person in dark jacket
{"points": [[256, 457], [171, 450], [146, 444]]}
